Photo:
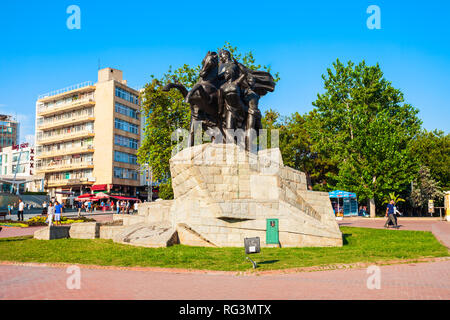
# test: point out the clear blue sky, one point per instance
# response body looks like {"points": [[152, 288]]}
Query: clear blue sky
{"points": [[300, 39]]}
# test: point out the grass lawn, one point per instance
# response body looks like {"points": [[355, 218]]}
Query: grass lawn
{"points": [[360, 245]]}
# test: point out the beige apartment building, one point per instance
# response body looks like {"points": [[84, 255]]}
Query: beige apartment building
{"points": [[87, 137]]}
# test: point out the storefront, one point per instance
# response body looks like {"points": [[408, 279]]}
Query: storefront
{"points": [[343, 202]]}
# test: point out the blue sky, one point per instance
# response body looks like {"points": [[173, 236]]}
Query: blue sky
{"points": [[299, 39]]}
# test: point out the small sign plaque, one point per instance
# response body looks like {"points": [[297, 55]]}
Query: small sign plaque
{"points": [[252, 245]]}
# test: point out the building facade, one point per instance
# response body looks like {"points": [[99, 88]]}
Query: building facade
{"points": [[17, 168], [9, 131], [87, 137]]}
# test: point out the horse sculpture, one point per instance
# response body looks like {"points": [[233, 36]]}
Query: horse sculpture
{"points": [[223, 92], [203, 96]]}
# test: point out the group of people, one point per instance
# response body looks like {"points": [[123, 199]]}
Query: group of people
{"points": [[20, 209], [362, 212], [87, 205], [125, 207], [53, 210], [391, 214], [120, 206]]}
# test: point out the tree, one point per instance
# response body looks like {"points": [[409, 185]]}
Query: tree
{"points": [[363, 125], [295, 146], [432, 148], [165, 112], [424, 188], [392, 196]]}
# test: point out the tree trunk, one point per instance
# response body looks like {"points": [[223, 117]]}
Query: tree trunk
{"points": [[372, 207]]}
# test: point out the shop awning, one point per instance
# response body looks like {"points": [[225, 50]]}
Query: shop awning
{"points": [[85, 196], [99, 187], [341, 194]]}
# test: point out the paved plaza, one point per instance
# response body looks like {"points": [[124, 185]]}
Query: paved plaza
{"points": [[425, 280], [406, 281]]}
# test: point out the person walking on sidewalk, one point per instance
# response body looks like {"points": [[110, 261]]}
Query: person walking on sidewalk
{"points": [[20, 210], [390, 214], [58, 211], [79, 207], [50, 214]]}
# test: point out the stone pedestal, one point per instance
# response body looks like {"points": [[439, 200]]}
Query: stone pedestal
{"points": [[224, 194], [52, 233]]}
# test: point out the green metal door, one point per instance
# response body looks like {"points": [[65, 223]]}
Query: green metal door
{"points": [[272, 231]]}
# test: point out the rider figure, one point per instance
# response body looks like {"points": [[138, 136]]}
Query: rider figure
{"points": [[233, 108]]}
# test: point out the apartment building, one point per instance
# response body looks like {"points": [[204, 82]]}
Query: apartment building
{"points": [[87, 137], [17, 168], [9, 131]]}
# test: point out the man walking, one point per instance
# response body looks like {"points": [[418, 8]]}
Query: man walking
{"points": [[58, 211], [79, 207], [390, 214], [20, 211]]}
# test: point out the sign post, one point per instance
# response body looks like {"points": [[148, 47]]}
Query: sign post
{"points": [[252, 245], [431, 207]]}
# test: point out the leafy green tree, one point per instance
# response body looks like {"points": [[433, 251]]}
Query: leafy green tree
{"points": [[432, 148], [425, 188], [165, 112], [363, 125]]}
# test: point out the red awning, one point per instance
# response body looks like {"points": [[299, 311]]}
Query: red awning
{"points": [[99, 187], [86, 195]]}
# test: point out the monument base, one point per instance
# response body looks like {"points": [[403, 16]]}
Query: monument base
{"points": [[224, 194]]}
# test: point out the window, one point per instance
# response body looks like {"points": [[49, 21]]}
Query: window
{"points": [[127, 111], [123, 94], [125, 142], [123, 173], [126, 126], [125, 157]]}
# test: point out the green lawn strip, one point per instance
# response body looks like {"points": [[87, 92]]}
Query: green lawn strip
{"points": [[360, 245]]}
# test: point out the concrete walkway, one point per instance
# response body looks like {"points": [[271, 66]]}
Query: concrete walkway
{"points": [[405, 281]]}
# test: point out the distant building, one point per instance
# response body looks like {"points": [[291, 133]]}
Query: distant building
{"points": [[17, 168], [9, 131], [87, 137]]}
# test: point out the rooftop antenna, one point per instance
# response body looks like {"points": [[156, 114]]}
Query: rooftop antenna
{"points": [[98, 64]]}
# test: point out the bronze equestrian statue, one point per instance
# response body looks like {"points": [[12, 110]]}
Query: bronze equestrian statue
{"points": [[226, 97]]}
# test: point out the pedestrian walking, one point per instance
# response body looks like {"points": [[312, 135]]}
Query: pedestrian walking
{"points": [[390, 214], [128, 207], [10, 208], [58, 211], [20, 210], [79, 207], [50, 214], [135, 207]]}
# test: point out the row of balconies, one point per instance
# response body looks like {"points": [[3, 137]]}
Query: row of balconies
{"points": [[65, 152], [43, 111], [65, 137], [67, 182], [49, 125], [47, 168]]}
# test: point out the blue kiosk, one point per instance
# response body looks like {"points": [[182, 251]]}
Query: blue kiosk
{"points": [[345, 202]]}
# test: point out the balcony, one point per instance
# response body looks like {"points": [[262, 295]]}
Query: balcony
{"points": [[64, 167], [65, 152], [57, 94], [65, 137], [68, 182], [74, 105], [65, 122]]}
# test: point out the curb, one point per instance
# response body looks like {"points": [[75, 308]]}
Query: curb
{"points": [[357, 265]]}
